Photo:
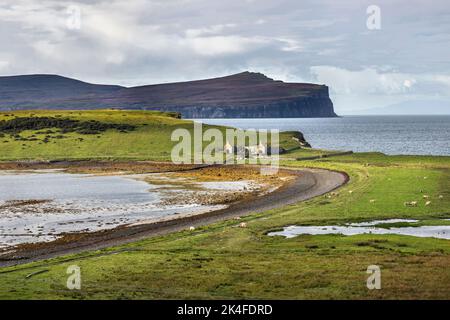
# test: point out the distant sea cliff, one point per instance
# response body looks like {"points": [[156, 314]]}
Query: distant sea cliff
{"points": [[242, 95]]}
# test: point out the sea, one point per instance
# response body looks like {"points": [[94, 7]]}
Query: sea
{"points": [[393, 135]]}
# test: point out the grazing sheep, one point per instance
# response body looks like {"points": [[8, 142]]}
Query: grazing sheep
{"points": [[237, 218], [441, 196], [427, 203], [411, 204], [243, 225], [426, 196], [372, 200], [191, 228], [350, 191]]}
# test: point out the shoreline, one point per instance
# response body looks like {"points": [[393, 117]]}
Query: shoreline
{"points": [[308, 183], [74, 203]]}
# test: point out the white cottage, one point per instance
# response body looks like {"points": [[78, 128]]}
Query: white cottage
{"points": [[228, 148]]}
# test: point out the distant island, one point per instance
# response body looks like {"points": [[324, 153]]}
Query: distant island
{"points": [[242, 95]]}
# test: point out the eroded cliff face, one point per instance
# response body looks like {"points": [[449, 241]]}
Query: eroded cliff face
{"points": [[243, 95], [296, 108]]}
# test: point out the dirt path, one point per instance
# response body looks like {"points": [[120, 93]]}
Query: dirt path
{"points": [[309, 183]]}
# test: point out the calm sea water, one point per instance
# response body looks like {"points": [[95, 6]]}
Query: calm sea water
{"points": [[79, 202], [420, 135]]}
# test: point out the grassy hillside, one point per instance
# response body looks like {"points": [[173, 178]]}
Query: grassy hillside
{"points": [[149, 138], [223, 261]]}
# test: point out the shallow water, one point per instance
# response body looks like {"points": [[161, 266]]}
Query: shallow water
{"points": [[441, 232], [64, 202], [71, 187], [421, 135]]}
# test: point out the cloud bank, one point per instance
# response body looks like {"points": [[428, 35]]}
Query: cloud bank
{"points": [[150, 41]]}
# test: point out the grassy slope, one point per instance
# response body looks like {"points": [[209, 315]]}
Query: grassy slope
{"points": [[223, 261], [150, 140]]}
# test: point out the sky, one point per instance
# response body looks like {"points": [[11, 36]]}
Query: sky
{"points": [[370, 53]]}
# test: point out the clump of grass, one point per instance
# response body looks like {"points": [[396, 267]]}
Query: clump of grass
{"points": [[19, 124]]}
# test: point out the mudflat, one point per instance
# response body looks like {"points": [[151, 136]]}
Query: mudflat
{"points": [[290, 186]]}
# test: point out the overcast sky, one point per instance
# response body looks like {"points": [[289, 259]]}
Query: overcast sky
{"points": [[137, 42]]}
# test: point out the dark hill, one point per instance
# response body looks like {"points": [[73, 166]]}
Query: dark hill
{"points": [[243, 95], [46, 91]]}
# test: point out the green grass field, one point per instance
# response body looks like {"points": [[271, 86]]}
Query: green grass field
{"points": [[151, 140], [222, 261]]}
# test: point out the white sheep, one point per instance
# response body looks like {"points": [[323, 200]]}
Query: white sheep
{"points": [[243, 225], [191, 228], [427, 203], [411, 204]]}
